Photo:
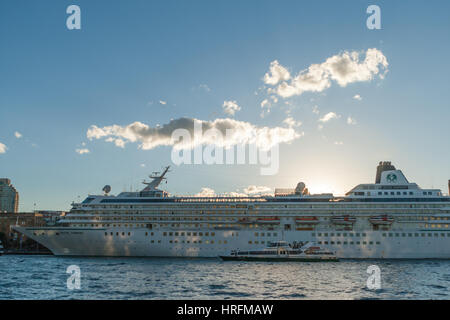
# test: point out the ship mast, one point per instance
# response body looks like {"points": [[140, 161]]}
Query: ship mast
{"points": [[157, 179]]}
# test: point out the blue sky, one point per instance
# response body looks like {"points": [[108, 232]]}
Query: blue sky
{"points": [[194, 55]]}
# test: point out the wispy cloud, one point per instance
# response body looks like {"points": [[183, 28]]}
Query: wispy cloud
{"points": [[351, 120], [204, 87], [257, 190], [3, 148], [290, 122], [329, 116], [343, 68], [162, 102], [357, 97], [17, 134], [82, 151], [230, 107]]}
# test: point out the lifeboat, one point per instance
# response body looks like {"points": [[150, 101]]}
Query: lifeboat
{"points": [[307, 220], [346, 220], [381, 220], [269, 220]]}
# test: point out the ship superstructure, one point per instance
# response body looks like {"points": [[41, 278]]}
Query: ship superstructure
{"points": [[391, 218]]}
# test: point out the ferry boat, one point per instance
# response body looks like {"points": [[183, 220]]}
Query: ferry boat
{"points": [[391, 218], [282, 251]]}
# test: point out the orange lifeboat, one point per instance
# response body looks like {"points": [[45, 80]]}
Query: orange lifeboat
{"points": [[306, 220], [381, 220], [347, 220], [269, 220]]}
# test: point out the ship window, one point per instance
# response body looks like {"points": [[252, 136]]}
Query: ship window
{"points": [[153, 241], [213, 234], [357, 242], [274, 234], [332, 242], [442, 234], [123, 233], [378, 242], [430, 235], [106, 233], [326, 242], [370, 242], [250, 242], [351, 242], [436, 234], [170, 234], [410, 235]]}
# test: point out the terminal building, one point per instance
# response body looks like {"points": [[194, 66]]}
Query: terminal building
{"points": [[9, 197]]}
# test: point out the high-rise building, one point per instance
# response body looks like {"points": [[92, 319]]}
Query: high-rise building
{"points": [[9, 197]]}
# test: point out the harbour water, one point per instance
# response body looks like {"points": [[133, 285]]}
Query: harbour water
{"points": [[45, 277]]}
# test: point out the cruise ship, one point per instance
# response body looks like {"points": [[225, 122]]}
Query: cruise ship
{"points": [[391, 218]]}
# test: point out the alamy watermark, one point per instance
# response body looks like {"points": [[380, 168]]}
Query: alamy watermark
{"points": [[213, 147], [374, 280], [74, 280]]}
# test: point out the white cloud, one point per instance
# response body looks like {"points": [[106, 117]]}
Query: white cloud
{"points": [[162, 102], [351, 120], [82, 151], [357, 97], [329, 116], [18, 134], [265, 104], [276, 74], [234, 132], [230, 107], [257, 189], [117, 141], [3, 148], [338, 143], [290, 122], [142, 165], [206, 192], [343, 68]]}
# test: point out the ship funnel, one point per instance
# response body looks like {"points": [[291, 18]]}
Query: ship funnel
{"points": [[383, 166]]}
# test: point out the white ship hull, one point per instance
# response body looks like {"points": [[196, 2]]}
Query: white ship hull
{"points": [[94, 242]]}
